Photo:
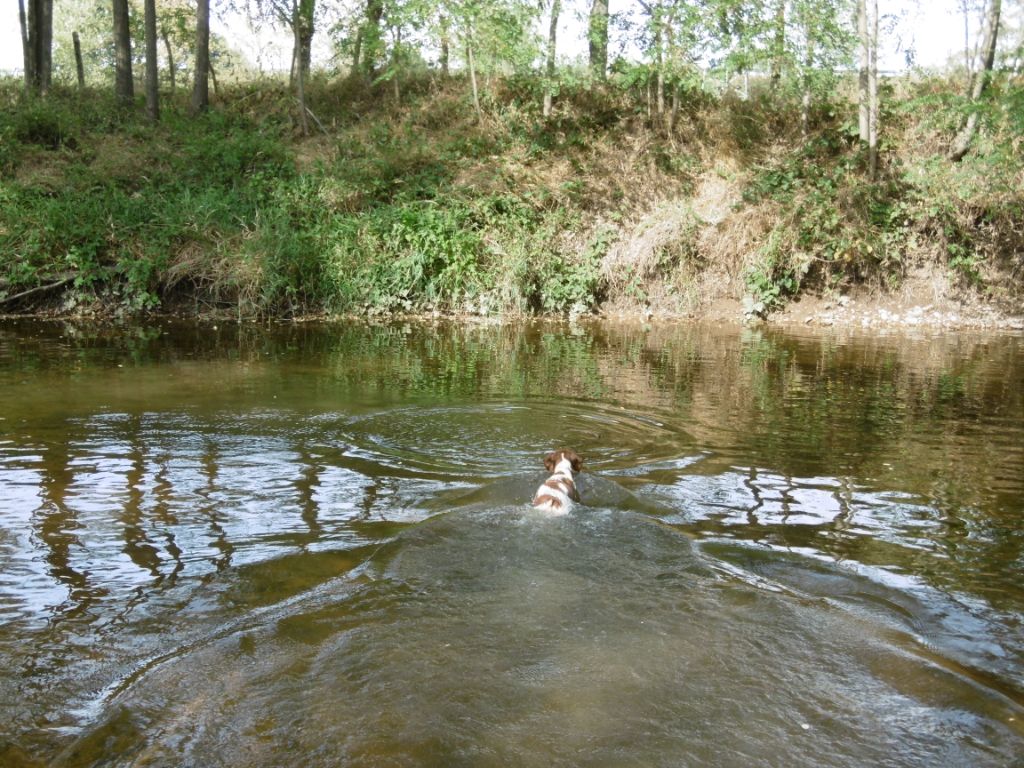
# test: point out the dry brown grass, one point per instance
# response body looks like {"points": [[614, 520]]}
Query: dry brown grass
{"points": [[216, 276], [643, 252], [689, 253]]}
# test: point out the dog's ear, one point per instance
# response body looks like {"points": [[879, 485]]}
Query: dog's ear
{"points": [[575, 460], [550, 461]]}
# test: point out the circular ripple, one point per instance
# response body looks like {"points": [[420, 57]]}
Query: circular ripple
{"points": [[499, 438]]}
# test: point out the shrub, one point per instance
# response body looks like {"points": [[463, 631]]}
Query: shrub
{"points": [[408, 256]]}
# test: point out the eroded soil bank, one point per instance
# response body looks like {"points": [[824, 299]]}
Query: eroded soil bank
{"points": [[732, 213]]}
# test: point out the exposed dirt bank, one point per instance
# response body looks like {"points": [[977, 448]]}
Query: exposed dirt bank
{"points": [[895, 312], [919, 305]]}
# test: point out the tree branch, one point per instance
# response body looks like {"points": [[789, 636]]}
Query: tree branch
{"points": [[37, 289]]}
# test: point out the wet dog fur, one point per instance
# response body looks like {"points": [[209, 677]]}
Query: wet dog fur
{"points": [[557, 494]]}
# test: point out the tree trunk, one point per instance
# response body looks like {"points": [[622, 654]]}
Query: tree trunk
{"points": [[598, 38], [670, 63], [862, 75], [201, 87], [445, 44], [779, 43], [982, 72], [805, 101], [396, 52], [37, 44], [472, 80], [79, 65], [44, 46], [124, 85], [170, 59], [300, 79], [370, 42], [357, 52], [152, 72], [26, 45], [307, 12], [867, 29], [549, 84], [659, 65], [213, 78], [873, 93]]}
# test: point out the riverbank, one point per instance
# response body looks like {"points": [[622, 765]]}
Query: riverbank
{"points": [[840, 313], [732, 213]]}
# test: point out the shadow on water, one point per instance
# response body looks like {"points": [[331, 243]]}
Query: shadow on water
{"points": [[227, 546]]}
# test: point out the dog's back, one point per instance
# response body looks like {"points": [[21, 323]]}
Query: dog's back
{"points": [[557, 494]]}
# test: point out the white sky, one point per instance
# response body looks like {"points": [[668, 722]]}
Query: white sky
{"points": [[933, 28]]}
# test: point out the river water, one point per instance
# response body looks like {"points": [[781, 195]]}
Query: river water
{"points": [[312, 545]]}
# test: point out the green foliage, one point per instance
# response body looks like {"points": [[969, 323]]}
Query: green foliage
{"points": [[572, 283], [39, 123], [216, 205], [421, 207], [408, 256], [8, 152], [774, 277], [217, 149], [124, 208], [967, 209], [833, 226], [176, 22]]}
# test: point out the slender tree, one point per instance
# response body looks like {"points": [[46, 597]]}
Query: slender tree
{"points": [[598, 38], [672, 27], [444, 31], [809, 24], [213, 77], [471, 61], [653, 9], [298, 16], [171, 70], [79, 65], [44, 45], [672, 31], [867, 28], [369, 40], [487, 32], [778, 56], [300, 19], [26, 44], [549, 84], [979, 80], [300, 78], [873, 117], [152, 73], [395, 64], [124, 85], [37, 43], [305, 20], [862, 72], [805, 79], [201, 87]]}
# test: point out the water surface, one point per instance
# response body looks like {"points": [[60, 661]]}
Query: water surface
{"points": [[240, 545]]}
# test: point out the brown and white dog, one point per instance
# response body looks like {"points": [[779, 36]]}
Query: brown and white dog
{"points": [[557, 494]]}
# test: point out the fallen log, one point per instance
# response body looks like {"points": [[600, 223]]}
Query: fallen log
{"points": [[38, 289]]}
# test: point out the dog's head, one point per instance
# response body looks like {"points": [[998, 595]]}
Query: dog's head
{"points": [[552, 459]]}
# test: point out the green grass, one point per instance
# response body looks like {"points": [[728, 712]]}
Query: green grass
{"points": [[422, 208]]}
